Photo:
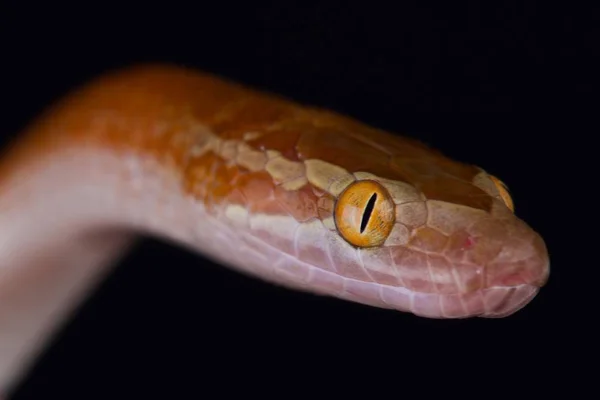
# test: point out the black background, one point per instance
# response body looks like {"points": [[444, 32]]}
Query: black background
{"points": [[503, 86]]}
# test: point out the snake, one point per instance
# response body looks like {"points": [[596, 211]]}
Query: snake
{"points": [[299, 196]]}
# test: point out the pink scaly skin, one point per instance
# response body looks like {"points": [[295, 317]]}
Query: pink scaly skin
{"points": [[258, 183]]}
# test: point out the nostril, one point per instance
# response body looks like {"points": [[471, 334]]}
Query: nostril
{"points": [[469, 242]]}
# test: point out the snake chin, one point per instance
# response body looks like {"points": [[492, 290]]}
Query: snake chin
{"points": [[510, 299]]}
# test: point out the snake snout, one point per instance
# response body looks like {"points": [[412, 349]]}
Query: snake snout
{"points": [[527, 264], [517, 267], [516, 276]]}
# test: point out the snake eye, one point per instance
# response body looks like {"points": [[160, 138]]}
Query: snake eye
{"points": [[503, 190], [364, 214]]}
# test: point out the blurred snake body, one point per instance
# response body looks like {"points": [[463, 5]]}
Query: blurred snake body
{"points": [[295, 195]]}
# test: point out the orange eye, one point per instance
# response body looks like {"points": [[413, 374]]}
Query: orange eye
{"points": [[364, 214], [503, 190]]}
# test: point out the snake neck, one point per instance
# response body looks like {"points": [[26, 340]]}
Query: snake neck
{"points": [[63, 221]]}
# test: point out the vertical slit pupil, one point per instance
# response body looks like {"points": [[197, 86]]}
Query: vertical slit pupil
{"points": [[368, 211]]}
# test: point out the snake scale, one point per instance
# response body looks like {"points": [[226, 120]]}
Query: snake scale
{"points": [[295, 195]]}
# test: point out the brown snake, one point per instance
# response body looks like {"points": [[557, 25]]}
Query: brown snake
{"points": [[295, 195]]}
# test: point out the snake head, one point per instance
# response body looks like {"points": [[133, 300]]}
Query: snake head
{"points": [[439, 247], [324, 204]]}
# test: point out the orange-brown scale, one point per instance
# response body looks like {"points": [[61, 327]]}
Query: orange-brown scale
{"points": [[342, 150], [253, 110], [281, 140], [438, 178]]}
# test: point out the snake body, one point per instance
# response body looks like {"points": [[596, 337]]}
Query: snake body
{"points": [[295, 195]]}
